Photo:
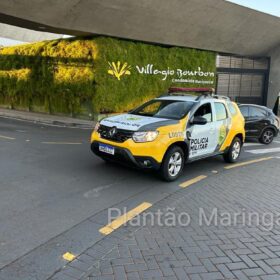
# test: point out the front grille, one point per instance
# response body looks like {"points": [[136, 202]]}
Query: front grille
{"points": [[120, 136]]}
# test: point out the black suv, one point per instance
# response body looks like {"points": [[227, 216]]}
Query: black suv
{"points": [[260, 123]]}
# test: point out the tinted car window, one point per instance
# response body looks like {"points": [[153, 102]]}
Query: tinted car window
{"points": [[221, 112], [170, 109], [244, 111], [232, 108], [257, 112], [204, 111]]}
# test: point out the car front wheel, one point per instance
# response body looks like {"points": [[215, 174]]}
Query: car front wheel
{"points": [[173, 164], [234, 151], [267, 137]]}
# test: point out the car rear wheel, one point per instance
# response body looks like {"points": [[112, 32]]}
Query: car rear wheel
{"points": [[233, 153], [267, 137], [173, 164]]}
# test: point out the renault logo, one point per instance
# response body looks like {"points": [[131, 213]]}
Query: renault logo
{"points": [[112, 132]]}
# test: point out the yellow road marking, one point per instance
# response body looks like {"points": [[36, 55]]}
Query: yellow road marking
{"points": [[192, 181], [61, 143], [7, 138], [247, 162], [121, 220], [68, 256]]}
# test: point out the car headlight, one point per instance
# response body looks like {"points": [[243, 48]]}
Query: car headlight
{"points": [[144, 136], [96, 126]]}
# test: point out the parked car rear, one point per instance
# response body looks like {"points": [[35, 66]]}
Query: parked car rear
{"points": [[260, 123]]}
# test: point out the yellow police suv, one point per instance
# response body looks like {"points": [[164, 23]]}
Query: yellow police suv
{"points": [[184, 125]]}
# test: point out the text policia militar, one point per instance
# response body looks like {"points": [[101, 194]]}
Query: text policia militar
{"points": [[149, 69], [199, 144]]}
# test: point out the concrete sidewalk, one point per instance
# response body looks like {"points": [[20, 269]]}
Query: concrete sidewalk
{"points": [[47, 119]]}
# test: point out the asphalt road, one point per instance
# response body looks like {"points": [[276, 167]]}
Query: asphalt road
{"points": [[50, 181]]}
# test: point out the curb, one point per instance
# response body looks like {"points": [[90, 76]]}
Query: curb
{"points": [[46, 119]]}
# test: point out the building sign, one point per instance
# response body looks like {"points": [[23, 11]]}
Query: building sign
{"points": [[118, 69], [178, 75]]}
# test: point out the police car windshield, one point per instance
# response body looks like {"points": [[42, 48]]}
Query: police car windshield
{"points": [[167, 109]]}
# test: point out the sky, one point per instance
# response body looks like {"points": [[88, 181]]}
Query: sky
{"points": [[9, 42], [267, 6]]}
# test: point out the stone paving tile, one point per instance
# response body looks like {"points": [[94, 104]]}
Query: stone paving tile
{"points": [[198, 252]]}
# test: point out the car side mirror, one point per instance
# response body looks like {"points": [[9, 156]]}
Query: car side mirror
{"points": [[199, 121]]}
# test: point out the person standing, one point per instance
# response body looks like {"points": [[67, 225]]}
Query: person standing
{"points": [[276, 109]]}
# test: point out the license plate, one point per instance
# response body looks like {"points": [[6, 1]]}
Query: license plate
{"points": [[106, 149]]}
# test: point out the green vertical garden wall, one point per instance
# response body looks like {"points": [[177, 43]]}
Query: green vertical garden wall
{"points": [[83, 77]]}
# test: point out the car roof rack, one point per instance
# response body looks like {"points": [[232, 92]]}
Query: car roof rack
{"points": [[221, 97]]}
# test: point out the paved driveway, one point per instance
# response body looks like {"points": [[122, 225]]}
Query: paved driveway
{"points": [[55, 195], [214, 245]]}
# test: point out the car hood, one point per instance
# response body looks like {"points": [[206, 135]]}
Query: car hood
{"points": [[135, 122]]}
